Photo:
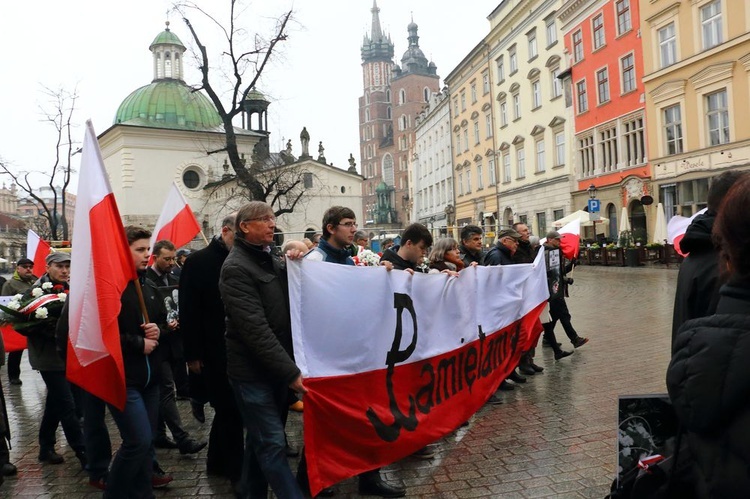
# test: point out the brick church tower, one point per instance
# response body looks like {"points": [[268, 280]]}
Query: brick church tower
{"points": [[393, 97]]}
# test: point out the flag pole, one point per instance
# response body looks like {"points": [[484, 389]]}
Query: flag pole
{"points": [[204, 237], [141, 301]]}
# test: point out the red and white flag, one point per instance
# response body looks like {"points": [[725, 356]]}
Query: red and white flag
{"points": [[676, 229], [570, 239], [101, 267], [37, 250], [405, 362], [176, 222]]}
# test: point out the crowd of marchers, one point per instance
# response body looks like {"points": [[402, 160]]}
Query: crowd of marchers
{"points": [[219, 332]]}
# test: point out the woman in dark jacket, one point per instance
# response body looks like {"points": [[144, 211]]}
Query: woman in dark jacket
{"points": [[709, 376]]}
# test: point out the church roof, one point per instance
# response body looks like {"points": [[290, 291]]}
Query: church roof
{"points": [[168, 104], [166, 37]]}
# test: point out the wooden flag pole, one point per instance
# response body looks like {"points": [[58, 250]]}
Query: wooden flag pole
{"points": [[204, 237], [141, 301]]}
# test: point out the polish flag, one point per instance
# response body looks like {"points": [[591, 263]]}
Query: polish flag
{"points": [[676, 229], [570, 239], [37, 250], [427, 353], [101, 267], [176, 222]]}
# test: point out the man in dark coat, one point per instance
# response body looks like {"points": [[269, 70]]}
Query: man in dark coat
{"points": [[525, 253], [260, 363], [415, 241], [172, 367], [698, 281], [470, 248], [503, 251], [202, 323], [23, 278]]}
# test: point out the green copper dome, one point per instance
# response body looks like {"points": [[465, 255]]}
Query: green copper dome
{"points": [[168, 104], [166, 36]]}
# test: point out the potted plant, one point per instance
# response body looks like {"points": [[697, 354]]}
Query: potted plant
{"points": [[613, 254], [595, 254], [654, 251], [632, 257]]}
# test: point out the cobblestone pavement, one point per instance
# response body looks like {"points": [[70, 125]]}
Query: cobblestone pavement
{"points": [[555, 436]]}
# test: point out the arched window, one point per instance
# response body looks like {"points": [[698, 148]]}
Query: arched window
{"points": [[402, 122], [159, 68], [402, 96], [177, 65], [388, 113], [388, 95], [367, 115], [388, 170], [167, 65], [367, 97], [426, 94], [612, 215]]}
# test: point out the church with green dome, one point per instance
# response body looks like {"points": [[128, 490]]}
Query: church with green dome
{"points": [[167, 132]]}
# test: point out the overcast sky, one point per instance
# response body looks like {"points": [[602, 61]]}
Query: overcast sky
{"points": [[102, 48]]}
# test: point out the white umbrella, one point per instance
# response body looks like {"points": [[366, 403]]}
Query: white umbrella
{"points": [[624, 220], [660, 231], [583, 216]]}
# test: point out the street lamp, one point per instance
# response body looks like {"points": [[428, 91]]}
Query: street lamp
{"points": [[592, 191]]}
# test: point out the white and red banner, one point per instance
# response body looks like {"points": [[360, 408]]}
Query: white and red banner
{"points": [[570, 239], [37, 250], [394, 362], [176, 222], [101, 267], [676, 229]]}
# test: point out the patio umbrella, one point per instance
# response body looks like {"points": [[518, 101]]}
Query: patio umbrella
{"points": [[583, 216], [660, 231], [624, 220]]}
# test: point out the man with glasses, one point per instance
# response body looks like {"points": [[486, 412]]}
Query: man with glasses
{"points": [[260, 364], [23, 278], [172, 365], [339, 228]]}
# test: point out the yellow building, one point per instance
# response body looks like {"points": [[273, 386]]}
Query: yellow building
{"points": [[533, 125], [696, 64], [473, 145]]}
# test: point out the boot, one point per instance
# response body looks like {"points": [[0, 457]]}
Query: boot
{"points": [[524, 365], [371, 483]]}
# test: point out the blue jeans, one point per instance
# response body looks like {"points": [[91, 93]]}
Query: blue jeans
{"points": [[264, 462], [95, 436], [132, 467]]}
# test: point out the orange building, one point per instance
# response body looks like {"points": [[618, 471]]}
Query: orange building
{"points": [[604, 79]]}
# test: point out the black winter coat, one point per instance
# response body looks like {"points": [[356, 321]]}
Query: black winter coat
{"points": [[698, 281], [140, 369], [525, 252], [709, 383], [254, 289], [201, 309], [469, 256], [391, 255], [498, 255], [170, 341]]}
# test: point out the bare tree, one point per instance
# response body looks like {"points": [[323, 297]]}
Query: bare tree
{"points": [[246, 64], [60, 115]]}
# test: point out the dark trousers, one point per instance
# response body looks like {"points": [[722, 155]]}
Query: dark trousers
{"points": [[199, 391], [59, 408], [14, 364], [226, 442], [132, 467], [558, 310], [95, 436], [169, 416], [264, 463], [181, 377]]}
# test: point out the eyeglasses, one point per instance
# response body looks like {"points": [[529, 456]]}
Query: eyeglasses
{"points": [[266, 219], [349, 225]]}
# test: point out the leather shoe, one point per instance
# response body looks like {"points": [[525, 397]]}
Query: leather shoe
{"points": [[198, 413], [527, 369], [562, 354], [506, 387], [579, 342], [51, 457], [164, 442], [424, 453], [305, 486], [16, 381], [536, 367], [190, 446], [516, 378], [494, 399], [378, 487], [8, 469]]}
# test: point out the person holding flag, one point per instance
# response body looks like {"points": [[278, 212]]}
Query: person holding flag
{"points": [[22, 280]]}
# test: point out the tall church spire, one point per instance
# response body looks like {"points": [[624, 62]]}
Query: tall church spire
{"points": [[376, 46]]}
